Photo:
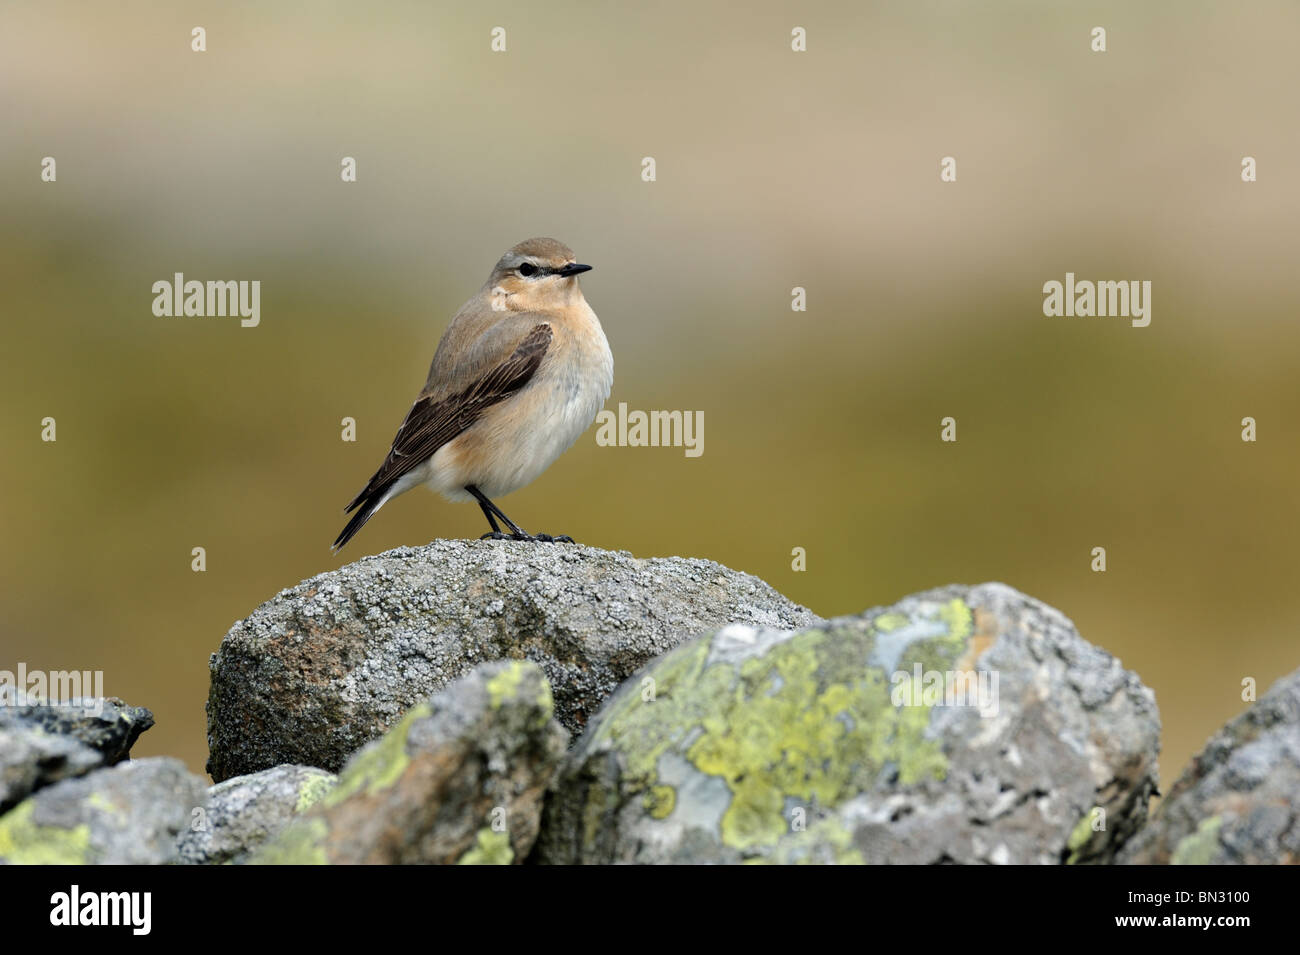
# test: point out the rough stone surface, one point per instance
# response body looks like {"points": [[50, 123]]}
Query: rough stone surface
{"points": [[32, 758], [755, 745], [329, 665], [245, 812], [42, 744], [459, 780], [1239, 800], [128, 814], [105, 724]]}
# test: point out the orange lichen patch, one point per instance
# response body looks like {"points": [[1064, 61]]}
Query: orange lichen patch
{"points": [[321, 657], [985, 635]]}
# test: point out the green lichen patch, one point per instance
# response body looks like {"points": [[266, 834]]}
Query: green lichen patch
{"points": [[659, 801], [23, 842], [505, 685], [1079, 838], [100, 801], [518, 676], [545, 703], [301, 843], [808, 721], [313, 789], [941, 653], [890, 621], [490, 848], [381, 763], [1202, 846]]}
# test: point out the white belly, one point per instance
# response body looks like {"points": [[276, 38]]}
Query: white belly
{"points": [[518, 439]]}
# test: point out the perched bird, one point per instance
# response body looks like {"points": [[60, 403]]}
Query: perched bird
{"points": [[519, 374]]}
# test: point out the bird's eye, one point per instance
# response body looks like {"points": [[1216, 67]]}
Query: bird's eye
{"points": [[527, 270]]}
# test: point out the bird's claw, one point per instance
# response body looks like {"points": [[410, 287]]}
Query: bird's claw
{"points": [[530, 538]]}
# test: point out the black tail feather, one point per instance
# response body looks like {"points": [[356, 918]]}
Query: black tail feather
{"points": [[366, 509]]}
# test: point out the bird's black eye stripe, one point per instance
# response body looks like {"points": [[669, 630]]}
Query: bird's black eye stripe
{"points": [[528, 269]]}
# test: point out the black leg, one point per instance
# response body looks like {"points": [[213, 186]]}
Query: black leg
{"points": [[491, 520], [491, 512], [489, 509]]}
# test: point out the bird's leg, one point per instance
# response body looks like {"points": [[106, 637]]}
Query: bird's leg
{"points": [[489, 509], [495, 534], [517, 533]]}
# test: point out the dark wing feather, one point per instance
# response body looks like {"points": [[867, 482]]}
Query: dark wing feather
{"points": [[431, 424]]}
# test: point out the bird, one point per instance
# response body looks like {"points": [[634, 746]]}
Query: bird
{"points": [[520, 373]]}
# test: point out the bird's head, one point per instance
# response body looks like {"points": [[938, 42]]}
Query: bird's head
{"points": [[535, 275]]}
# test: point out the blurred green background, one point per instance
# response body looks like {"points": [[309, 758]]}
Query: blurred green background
{"points": [[775, 170]]}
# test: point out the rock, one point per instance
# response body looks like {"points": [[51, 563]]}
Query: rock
{"points": [[128, 814], [245, 812], [757, 745], [105, 724], [32, 758], [323, 668], [1239, 800], [460, 779], [42, 744]]}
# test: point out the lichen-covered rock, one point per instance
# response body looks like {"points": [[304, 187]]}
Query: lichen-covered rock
{"points": [[128, 814], [43, 743], [323, 668], [460, 779], [244, 812], [105, 724], [1239, 800], [31, 758], [967, 724]]}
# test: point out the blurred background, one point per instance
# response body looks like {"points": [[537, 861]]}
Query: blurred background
{"points": [[775, 169]]}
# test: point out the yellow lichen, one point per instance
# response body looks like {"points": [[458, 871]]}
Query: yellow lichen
{"points": [[23, 842], [807, 720], [381, 763], [313, 789], [490, 848], [659, 801], [505, 685]]}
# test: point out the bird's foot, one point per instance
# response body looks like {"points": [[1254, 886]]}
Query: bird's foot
{"points": [[531, 538]]}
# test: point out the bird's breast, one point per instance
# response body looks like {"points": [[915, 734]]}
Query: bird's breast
{"points": [[575, 379], [515, 441]]}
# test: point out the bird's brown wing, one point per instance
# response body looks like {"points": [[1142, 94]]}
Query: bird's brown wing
{"points": [[430, 424]]}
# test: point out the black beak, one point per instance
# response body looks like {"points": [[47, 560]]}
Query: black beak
{"points": [[573, 268]]}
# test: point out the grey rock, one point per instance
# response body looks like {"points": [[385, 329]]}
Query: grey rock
{"points": [[128, 814], [1239, 801], [460, 779], [244, 812], [31, 758], [749, 745], [323, 668], [42, 744], [105, 724]]}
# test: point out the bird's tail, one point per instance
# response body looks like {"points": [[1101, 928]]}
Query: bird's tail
{"points": [[365, 505]]}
